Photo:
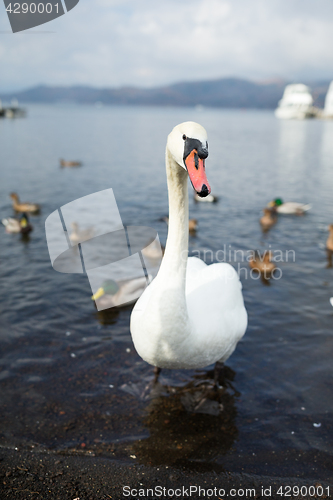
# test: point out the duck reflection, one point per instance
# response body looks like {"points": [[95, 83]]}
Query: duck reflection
{"points": [[108, 316], [191, 424]]}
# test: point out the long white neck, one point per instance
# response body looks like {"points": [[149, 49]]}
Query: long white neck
{"points": [[164, 323], [173, 267]]}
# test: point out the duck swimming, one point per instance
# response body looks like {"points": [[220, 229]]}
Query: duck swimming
{"points": [[66, 163], [289, 207], [23, 207], [154, 250], [268, 219], [118, 294], [329, 246], [21, 225], [191, 315], [262, 263], [79, 235], [329, 242]]}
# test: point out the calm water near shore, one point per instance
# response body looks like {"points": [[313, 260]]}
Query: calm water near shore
{"points": [[70, 379]]}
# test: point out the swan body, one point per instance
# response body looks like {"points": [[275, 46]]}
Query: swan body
{"points": [[23, 207], [117, 294], [191, 315], [289, 207]]}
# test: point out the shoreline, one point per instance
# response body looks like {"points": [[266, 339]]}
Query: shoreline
{"points": [[51, 476]]}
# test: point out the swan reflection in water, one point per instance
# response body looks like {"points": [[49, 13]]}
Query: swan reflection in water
{"points": [[191, 424]]}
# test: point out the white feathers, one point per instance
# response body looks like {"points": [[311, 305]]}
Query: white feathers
{"points": [[192, 314]]}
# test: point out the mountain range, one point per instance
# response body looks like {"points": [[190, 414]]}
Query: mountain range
{"points": [[221, 93]]}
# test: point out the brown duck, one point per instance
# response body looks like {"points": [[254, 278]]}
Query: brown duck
{"points": [[23, 207], [268, 219], [262, 263]]}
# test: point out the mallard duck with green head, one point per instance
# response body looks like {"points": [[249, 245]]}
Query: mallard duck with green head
{"points": [[289, 207], [117, 294]]}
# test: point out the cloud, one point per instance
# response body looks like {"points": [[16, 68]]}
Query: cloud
{"points": [[144, 42]]}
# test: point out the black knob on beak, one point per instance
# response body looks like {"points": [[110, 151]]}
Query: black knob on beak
{"points": [[202, 153], [204, 191]]}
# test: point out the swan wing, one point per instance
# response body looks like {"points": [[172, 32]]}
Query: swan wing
{"points": [[216, 309]]}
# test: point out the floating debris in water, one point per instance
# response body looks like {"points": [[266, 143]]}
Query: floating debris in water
{"points": [[331, 301], [317, 425], [68, 333], [73, 355], [128, 349]]}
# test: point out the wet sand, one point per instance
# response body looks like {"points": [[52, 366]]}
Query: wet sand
{"points": [[26, 475]]}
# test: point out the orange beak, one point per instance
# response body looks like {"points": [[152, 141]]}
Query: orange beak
{"points": [[197, 173]]}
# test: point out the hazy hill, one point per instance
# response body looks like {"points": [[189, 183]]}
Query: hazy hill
{"points": [[222, 93]]}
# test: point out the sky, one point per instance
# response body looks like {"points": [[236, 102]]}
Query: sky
{"points": [[112, 43]]}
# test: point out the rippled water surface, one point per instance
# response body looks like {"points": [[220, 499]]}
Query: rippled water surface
{"points": [[70, 378]]}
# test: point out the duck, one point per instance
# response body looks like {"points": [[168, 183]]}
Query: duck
{"points": [[79, 235], [208, 199], [329, 246], [329, 242], [113, 293], [268, 219], [289, 207], [67, 163], [192, 224], [21, 225], [23, 207], [153, 250], [262, 263], [192, 314]]}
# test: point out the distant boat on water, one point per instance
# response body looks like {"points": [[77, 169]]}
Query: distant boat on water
{"points": [[13, 111], [296, 103]]}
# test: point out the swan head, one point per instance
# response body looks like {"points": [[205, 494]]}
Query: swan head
{"points": [[187, 144]]}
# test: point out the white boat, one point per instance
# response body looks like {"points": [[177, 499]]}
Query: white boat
{"points": [[296, 102], [328, 109]]}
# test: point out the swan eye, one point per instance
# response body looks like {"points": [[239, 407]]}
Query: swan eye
{"points": [[184, 137]]}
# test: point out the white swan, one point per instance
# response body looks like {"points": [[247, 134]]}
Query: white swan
{"points": [[192, 314]]}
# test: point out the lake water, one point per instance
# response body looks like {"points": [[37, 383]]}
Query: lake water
{"points": [[70, 379]]}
